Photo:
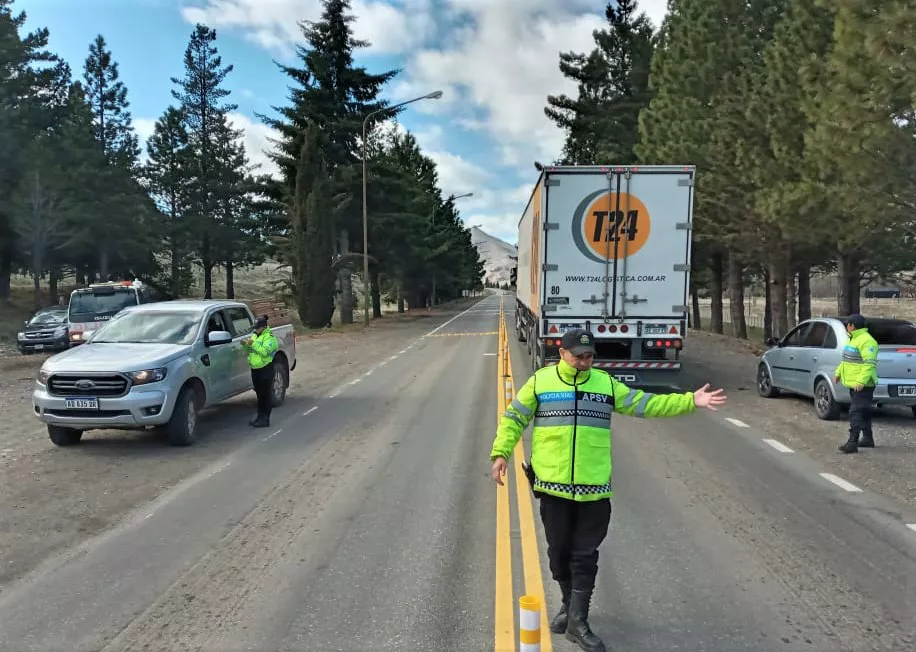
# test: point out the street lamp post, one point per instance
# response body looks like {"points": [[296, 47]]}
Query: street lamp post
{"points": [[435, 95]]}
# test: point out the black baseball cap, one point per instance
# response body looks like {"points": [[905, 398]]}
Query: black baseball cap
{"points": [[856, 320], [261, 322], [578, 341]]}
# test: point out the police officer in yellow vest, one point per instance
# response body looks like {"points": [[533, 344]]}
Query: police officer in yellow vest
{"points": [[570, 470], [261, 349], [858, 371]]}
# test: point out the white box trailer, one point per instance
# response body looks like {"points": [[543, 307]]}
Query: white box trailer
{"points": [[607, 248]]}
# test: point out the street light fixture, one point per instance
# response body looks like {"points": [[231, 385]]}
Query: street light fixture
{"points": [[435, 95]]}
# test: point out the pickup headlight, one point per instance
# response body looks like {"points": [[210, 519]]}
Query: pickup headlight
{"points": [[43, 376], [20, 336], [147, 376]]}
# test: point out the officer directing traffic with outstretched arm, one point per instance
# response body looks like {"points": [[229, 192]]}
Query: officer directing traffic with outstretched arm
{"points": [[858, 372], [570, 471]]}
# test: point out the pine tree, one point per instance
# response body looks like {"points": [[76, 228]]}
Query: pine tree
{"points": [[166, 177], [335, 95], [107, 97], [313, 234], [200, 93], [33, 82], [613, 87]]}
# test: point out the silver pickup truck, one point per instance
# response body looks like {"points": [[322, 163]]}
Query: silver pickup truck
{"points": [[155, 365]]}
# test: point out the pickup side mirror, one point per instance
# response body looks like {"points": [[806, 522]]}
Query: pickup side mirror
{"points": [[772, 341], [218, 337]]}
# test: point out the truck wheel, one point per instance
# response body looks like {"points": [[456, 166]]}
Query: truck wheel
{"points": [[64, 436], [824, 406], [182, 427], [281, 381]]}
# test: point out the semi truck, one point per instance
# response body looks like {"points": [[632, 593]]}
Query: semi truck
{"points": [[607, 248]]}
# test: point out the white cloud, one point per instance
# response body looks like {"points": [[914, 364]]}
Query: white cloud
{"points": [[495, 60], [274, 24], [257, 137]]}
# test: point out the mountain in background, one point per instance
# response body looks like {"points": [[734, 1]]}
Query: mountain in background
{"points": [[498, 256]]}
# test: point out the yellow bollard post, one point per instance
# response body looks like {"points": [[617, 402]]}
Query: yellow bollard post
{"points": [[529, 623]]}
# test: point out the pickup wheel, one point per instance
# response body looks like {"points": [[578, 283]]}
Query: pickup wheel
{"points": [[64, 436], [182, 427], [281, 382]]}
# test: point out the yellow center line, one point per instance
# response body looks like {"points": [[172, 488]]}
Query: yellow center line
{"points": [[504, 613], [531, 564]]}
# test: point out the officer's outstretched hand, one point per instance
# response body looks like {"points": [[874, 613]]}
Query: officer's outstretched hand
{"points": [[500, 465], [703, 398]]}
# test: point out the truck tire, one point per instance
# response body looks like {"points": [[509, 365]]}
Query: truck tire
{"points": [[281, 382], [64, 436], [182, 427]]}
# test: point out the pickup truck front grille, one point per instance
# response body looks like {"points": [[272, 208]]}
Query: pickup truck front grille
{"points": [[111, 385]]}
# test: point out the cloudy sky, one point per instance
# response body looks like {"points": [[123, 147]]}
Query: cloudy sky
{"points": [[495, 61]]}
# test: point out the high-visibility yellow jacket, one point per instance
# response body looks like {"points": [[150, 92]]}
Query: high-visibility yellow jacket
{"points": [[859, 365], [571, 440], [262, 348]]}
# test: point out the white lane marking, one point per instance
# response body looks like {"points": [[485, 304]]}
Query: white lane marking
{"points": [[368, 373], [782, 448], [912, 526], [334, 395], [489, 354], [460, 314], [148, 515], [737, 422], [271, 436], [354, 381], [402, 352], [840, 482], [309, 411], [221, 467], [394, 357]]}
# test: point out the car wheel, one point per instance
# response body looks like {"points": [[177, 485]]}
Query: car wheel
{"points": [[825, 407], [278, 388], [64, 436], [182, 427], [765, 383]]}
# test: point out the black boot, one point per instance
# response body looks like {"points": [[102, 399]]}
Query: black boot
{"points": [[577, 629], [558, 624], [867, 440], [852, 444], [260, 422]]}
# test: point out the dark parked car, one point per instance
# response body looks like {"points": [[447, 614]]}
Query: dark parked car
{"points": [[45, 331]]}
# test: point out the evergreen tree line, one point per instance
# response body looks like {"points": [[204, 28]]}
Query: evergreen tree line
{"points": [[799, 116], [75, 198]]}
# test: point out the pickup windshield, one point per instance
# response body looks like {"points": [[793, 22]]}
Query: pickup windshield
{"points": [[150, 328], [86, 306]]}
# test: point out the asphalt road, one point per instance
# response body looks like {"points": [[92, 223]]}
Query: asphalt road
{"points": [[367, 521]]}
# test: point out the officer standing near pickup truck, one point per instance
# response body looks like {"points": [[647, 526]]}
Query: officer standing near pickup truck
{"points": [[858, 371], [261, 349], [570, 470]]}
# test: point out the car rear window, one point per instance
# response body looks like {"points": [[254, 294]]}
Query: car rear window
{"points": [[893, 333]]}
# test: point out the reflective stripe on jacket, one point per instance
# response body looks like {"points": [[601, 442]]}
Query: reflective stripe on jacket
{"points": [[860, 360], [262, 349], [571, 439]]}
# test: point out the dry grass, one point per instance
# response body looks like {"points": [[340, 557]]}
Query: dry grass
{"points": [[753, 309], [250, 283]]}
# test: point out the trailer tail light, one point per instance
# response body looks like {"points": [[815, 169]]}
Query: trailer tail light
{"points": [[601, 328], [624, 329], [907, 350], [612, 328], [663, 344]]}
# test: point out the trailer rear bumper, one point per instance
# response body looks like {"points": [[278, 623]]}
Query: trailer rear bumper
{"points": [[648, 373]]}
